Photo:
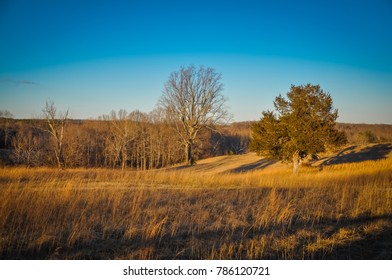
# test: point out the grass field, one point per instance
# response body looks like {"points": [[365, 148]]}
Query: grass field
{"points": [[232, 207]]}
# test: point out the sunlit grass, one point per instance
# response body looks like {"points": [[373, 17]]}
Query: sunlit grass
{"points": [[270, 213]]}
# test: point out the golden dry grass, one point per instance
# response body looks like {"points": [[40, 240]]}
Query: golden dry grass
{"points": [[204, 212]]}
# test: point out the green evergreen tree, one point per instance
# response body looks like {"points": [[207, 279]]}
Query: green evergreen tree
{"points": [[303, 124]]}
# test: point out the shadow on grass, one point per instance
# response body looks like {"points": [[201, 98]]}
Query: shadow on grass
{"points": [[352, 154], [263, 163], [376, 244], [205, 167]]}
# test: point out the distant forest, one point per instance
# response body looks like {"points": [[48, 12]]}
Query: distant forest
{"points": [[143, 141]]}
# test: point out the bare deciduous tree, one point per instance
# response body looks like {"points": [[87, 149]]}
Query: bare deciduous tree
{"points": [[121, 133], [193, 100], [26, 147], [56, 125]]}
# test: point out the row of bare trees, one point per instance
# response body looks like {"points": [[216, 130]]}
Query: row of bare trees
{"points": [[120, 139], [138, 140]]}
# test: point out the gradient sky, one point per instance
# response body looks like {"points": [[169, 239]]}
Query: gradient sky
{"points": [[95, 56]]}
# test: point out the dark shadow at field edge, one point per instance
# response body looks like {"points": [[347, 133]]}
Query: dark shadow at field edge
{"points": [[350, 155], [375, 245], [371, 246]]}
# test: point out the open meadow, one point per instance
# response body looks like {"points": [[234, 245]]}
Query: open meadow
{"points": [[229, 207]]}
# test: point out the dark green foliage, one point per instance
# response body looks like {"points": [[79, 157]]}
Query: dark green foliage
{"points": [[367, 137], [303, 124], [267, 136]]}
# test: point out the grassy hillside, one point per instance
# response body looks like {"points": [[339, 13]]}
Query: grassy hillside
{"points": [[231, 207]]}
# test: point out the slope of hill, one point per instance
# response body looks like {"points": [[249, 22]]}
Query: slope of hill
{"points": [[232, 164], [253, 162]]}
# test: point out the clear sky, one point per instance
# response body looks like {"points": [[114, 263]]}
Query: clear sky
{"points": [[95, 56]]}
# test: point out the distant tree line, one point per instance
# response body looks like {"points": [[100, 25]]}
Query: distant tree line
{"points": [[94, 143], [119, 139], [366, 133]]}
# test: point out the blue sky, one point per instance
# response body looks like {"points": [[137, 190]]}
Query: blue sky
{"points": [[95, 56]]}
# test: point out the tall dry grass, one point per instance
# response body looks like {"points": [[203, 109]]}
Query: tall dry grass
{"points": [[343, 211]]}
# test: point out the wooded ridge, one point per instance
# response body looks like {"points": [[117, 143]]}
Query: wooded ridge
{"points": [[143, 142]]}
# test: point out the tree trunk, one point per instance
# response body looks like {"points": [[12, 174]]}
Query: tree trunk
{"points": [[296, 162], [189, 159], [144, 156], [124, 158], [60, 157]]}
